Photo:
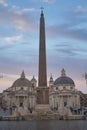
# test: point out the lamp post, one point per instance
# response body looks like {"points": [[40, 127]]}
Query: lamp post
{"points": [[86, 77]]}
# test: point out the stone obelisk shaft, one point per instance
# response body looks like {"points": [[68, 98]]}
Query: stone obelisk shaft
{"points": [[42, 89], [42, 80]]}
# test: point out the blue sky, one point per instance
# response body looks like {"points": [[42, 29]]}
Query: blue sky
{"points": [[66, 38]]}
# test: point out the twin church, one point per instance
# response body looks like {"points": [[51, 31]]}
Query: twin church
{"points": [[25, 96]]}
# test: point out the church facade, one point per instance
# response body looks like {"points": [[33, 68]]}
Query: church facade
{"points": [[25, 96], [21, 96], [63, 96]]}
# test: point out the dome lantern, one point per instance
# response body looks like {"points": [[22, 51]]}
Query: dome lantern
{"points": [[23, 75], [63, 72]]}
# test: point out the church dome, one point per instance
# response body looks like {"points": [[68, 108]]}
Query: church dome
{"points": [[22, 81], [63, 79]]}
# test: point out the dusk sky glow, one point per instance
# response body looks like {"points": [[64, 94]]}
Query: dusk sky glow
{"points": [[66, 39]]}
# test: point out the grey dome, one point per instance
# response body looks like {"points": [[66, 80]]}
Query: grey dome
{"points": [[22, 82], [64, 80]]}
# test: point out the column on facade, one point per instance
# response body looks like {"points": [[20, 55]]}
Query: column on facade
{"points": [[69, 102], [78, 100], [52, 101], [61, 102]]}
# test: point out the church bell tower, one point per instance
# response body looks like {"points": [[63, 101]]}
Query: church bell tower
{"points": [[42, 91]]}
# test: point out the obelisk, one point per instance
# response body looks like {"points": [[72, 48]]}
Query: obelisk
{"points": [[42, 90], [42, 80]]}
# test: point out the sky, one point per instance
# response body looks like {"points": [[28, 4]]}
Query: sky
{"points": [[66, 39]]}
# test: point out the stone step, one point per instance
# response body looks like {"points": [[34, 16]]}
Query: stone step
{"points": [[42, 109], [41, 106]]}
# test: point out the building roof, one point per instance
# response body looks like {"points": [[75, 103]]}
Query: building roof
{"points": [[64, 79], [22, 82]]}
